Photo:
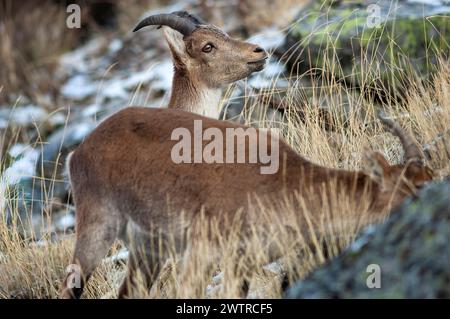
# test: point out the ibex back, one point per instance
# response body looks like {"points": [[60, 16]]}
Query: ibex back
{"points": [[126, 184]]}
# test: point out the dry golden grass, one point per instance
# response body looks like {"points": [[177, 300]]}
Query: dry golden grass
{"points": [[34, 36], [32, 41], [34, 270], [129, 12], [31, 270]]}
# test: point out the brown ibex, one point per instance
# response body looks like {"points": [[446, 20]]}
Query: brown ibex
{"points": [[126, 184], [205, 59]]}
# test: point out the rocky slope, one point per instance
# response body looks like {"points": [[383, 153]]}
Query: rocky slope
{"points": [[410, 249], [360, 40]]}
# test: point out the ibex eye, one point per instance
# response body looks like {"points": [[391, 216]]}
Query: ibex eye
{"points": [[207, 48]]}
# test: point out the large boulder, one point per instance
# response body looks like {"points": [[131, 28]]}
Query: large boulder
{"points": [[410, 248], [373, 45]]}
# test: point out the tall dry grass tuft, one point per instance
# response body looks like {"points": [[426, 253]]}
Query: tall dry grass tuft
{"points": [[301, 241], [130, 12], [326, 122], [32, 41], [33, 269]]}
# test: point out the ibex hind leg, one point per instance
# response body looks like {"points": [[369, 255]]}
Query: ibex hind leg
{"points": [[146, 261], [96, 232]]}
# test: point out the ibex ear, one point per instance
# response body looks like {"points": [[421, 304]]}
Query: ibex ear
{"points": [[176, 45], [378, 165]]}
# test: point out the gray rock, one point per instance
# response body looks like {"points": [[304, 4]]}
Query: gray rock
{"points": [[411, 249], [341, 32]]}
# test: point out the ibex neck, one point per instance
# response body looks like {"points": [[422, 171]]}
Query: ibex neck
{"points": [[193, 96]]}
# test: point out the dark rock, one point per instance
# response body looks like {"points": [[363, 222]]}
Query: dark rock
{"points": [[411, 249], [374, 51]]}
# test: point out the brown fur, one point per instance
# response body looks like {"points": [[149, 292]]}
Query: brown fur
{"points": [[125, 184], [199, 76]]}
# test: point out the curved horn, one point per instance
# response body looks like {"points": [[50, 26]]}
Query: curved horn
{"points": [[182, 25], [412, 151], [192, 17]]}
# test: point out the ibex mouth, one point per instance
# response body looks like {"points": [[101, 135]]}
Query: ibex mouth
{"points": [[263, 60], [258, 65]]}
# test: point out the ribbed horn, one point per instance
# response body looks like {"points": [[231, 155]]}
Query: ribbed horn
{"points": [[412, 151], [190, 16], [182, 25]]}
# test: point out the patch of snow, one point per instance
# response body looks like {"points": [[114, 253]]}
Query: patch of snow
{"points": [[57, 119], [65, 222], [217, 279], [40, 243], [17, 149], [268, 39], [137, 78], [273, 69], [270, 76], [121, 256], [431, 2], [160, 75], [216, 286], [25, 115], [114, 89], [23, 167], [213, 290], [3, 123], [3, 194], [266, 83], [115, 46], [78, 87], [91, 110], [75, 61], [82, 130], [260, 83], [163, 75]]}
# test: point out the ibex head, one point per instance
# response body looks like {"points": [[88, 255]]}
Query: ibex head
{"points": [[206, 52], [405, 178]]}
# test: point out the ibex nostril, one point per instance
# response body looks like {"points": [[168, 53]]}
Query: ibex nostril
{"points": [[258, 50]]}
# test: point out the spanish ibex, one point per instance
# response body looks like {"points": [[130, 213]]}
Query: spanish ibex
{"points": [[205, 59], [126, 185]]}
